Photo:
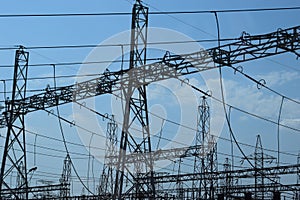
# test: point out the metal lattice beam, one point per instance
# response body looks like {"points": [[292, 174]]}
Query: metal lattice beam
{"points": [[246, 49], [135, 78]]}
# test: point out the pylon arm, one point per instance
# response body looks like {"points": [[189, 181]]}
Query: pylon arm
{"points": [[246, 49]]}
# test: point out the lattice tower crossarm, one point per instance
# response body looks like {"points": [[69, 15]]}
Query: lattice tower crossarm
{"points": [[246, 49]]}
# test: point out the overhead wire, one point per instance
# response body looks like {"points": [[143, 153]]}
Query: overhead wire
{"points": [[237, 108], [77, 63], [150, 13], [186, 126], [263, 85], [56, 139], [226, 114], [15, 47], [219, 137], [171, 121], [278, 130], [64, 140], [122, 61]]}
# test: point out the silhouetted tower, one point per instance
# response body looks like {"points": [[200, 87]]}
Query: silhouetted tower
{"points": [[227, 182], [260, 159], [206, 157], [20, 180], [108, 172], [14, 152], [179, 183], [136, 113], [212, 166], [65, 179], [259, 164]]}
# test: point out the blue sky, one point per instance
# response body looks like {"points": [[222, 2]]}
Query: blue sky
{"points": [[280, 72]]}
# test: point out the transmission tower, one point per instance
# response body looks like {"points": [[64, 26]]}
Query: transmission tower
{"points": [[136, 113], [179, 183], [106, 185], [65, 179], [20, 180], [14, 152], [228, 181], [207, 161], [260, 159]]}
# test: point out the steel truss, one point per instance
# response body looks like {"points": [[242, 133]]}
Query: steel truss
{"points": [[246, 49], [133, 79], [136, 112]]}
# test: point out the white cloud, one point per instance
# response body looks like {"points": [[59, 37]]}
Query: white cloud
{"points": [[279, 78], [295, 122], [262, 102]]}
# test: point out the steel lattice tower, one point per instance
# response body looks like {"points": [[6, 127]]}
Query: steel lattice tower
{"points": [[136, 112], [259, 164], [14, 152], [107, 177], [260, 159], [228, 181], [205, 162], [65, 179]]}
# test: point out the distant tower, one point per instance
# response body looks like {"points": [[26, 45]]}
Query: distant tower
{"points": [[179, 183], [65, 179], [20, 180], [107, 177], [228, 181], [260, 159], [206, 157]]}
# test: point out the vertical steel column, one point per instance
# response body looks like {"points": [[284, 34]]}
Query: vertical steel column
{"points": [[259, 164], [65, 179], [136, 113], [14, 152]]}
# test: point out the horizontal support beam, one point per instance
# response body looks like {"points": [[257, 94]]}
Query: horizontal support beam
{"points": [[246, 49]]}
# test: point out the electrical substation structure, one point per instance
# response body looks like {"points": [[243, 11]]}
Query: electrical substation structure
{"points": [[128, 171]]}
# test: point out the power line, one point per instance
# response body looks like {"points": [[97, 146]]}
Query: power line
{"points": [[150, 13], [15, 47], [259, 83], [178, 124], [170, 121], [219, 137], [77, 63], [239, 109], [64, 139]]}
